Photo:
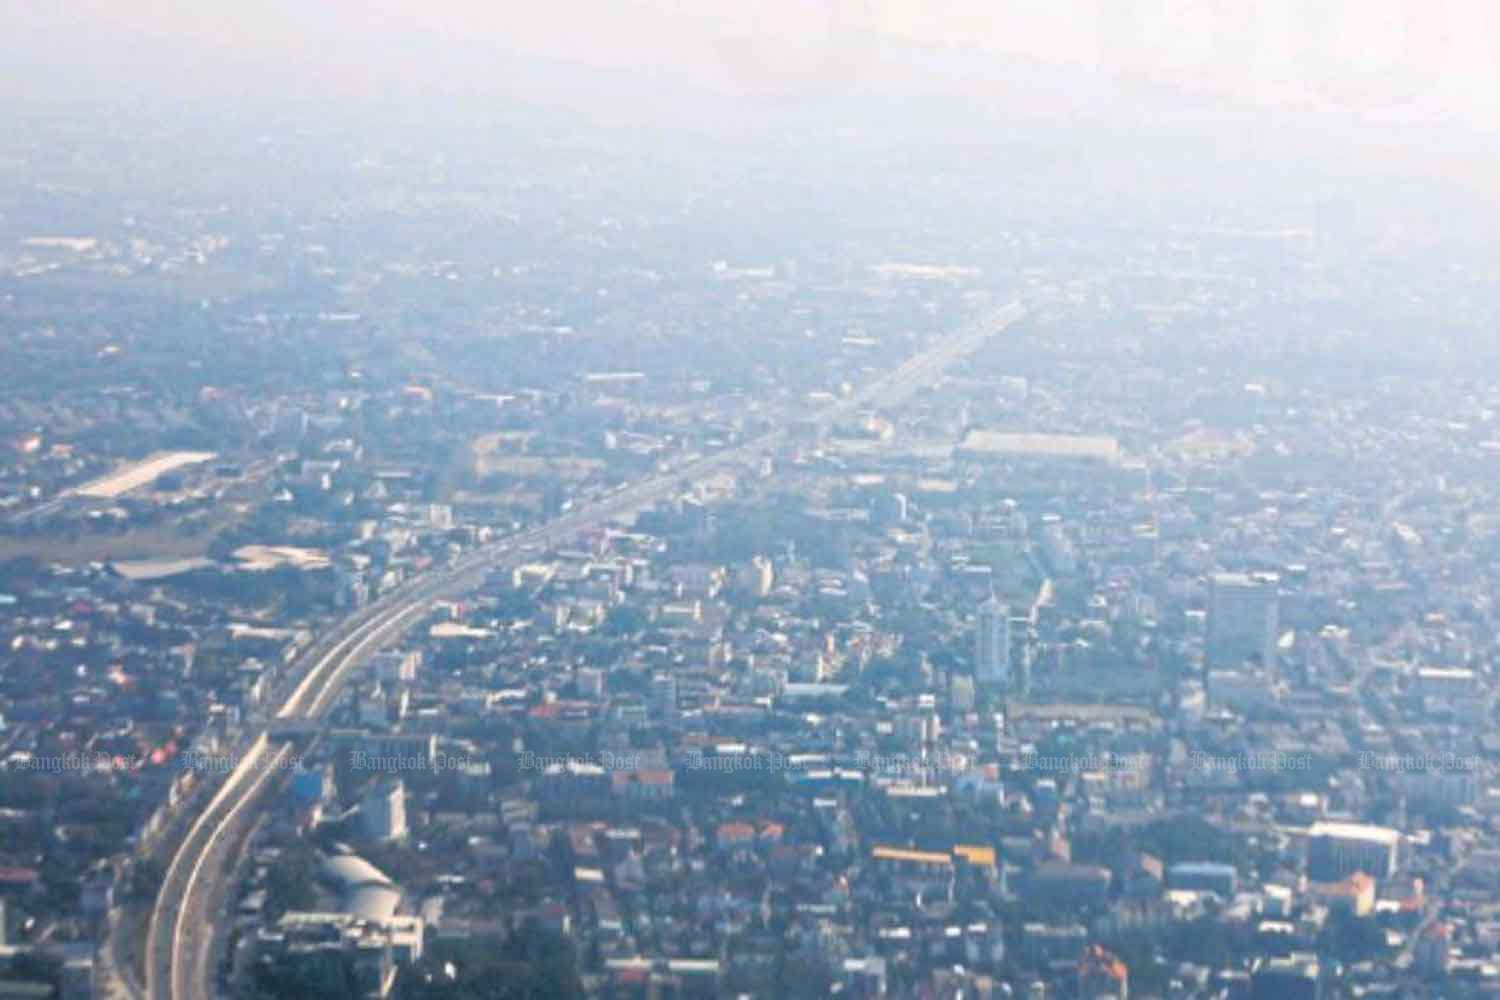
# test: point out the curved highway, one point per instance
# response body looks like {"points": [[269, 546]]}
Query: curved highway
{"points": [[180, 938]]}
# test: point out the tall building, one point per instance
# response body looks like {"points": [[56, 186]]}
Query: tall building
{"points": [[1354, 896], [992, 644], [961, 693], [890, 509], [1433, 951], [384, 810], [351, 590], [397, 666], [664, 696], [313, 786], [756, 577], [1294, 977], [591, 682], [77, 978], [1243, 619], [1337, 850]]}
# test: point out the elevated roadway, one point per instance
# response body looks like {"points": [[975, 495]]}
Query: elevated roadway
{"points": [[181, 932]]}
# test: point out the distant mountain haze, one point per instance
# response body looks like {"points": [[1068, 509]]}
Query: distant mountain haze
{"points": [[1371, 55], [1354, 85]]}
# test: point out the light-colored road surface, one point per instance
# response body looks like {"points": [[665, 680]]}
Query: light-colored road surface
{"points": [[180, 937], [113, 977]]}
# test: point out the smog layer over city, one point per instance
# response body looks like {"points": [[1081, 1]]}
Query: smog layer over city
{"points": [[803, 498]]}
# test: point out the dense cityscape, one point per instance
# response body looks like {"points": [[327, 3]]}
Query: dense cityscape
{"points": [[544, 557]]}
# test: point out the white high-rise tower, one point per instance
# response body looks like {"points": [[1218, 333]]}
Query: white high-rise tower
{"points": [[384, 810], [992, 644], [1243, 619]]}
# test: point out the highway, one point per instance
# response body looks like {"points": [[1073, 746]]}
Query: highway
{"points": [[179, 941]]}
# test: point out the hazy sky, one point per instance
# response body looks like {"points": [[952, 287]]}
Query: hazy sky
{"points": [[1409, 87], [1431, 59]]}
